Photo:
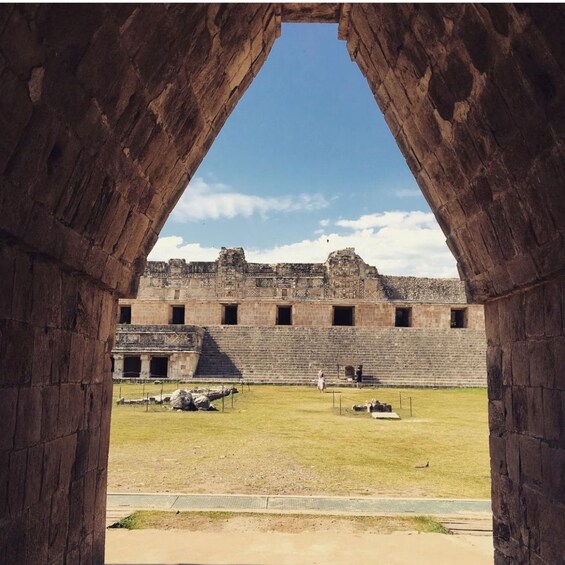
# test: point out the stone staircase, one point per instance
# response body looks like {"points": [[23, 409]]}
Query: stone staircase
{"points": [[417, 357]]}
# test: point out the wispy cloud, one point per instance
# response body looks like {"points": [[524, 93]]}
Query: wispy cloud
{"points": [[397, 243], [203, 200], [407, 193]]}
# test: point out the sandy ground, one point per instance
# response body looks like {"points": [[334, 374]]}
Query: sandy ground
{"points": [[155, 547]]}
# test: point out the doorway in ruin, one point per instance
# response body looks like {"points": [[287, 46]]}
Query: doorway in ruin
{"points": [[159, 367]]}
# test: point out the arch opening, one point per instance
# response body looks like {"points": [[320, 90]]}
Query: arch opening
{"points": [[94, 155]]}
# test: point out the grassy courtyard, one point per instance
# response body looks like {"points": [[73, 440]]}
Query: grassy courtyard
{"points": [[290, 440]]}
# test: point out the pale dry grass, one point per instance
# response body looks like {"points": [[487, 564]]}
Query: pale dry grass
{"points": [[231, 522], [290, 440]]}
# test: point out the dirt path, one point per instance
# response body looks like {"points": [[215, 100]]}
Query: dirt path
{"points": [[321, 548]]}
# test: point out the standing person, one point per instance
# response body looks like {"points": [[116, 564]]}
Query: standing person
{"points": [[321, 381], [359, 376]]}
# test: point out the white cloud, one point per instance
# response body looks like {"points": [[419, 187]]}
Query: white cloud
{"points": [[324, 223], [397, 243], [203, 200], [407, 193], [173, 247], [398, 219]]}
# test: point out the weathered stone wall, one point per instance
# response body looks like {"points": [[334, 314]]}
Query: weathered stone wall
{"points": [[344, 276], [311, 289]]}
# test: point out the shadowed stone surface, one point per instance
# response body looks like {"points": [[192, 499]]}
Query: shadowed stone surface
{"points": [[106, 111]]}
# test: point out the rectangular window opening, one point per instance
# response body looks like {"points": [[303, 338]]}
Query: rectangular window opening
{"points": [[403, 317], [458, 317], [284, 315], [343, 316], [229, 314], [177, 315], [159, 367], [132, 367], [125, 315]]}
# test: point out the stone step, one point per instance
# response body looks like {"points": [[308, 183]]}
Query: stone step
{"points": [[391, 356]]}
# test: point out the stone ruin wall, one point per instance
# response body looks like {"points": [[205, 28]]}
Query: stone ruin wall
{"points": [[311, 288]]}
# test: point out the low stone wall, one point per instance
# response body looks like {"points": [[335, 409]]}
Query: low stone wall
{"points": [[390, 356]]}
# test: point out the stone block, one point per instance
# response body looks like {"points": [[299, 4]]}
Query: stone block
{"points": [[28, 426], [553, 428], [76, 359], [61, 348], [496, 417], [58, 524], [68, 457], [492, 323], [16, 353], [49, 412], [8, 408], [51, 465], [521, 363], [76, 517], [519, 411], [23, 281], [497, 455], [7, 266], [37, 533], [71, 408], [513, 457], [33, 475], [46, 308], [542, 364], [553, 466], [16, 482], [42, 356], [530, 459], [15, 112], [4, 480], [89, 508], [494, 373], [552, 522], [535, 308], [535, 404], [552, 308]]}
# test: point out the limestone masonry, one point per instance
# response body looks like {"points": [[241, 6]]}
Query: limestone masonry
{"points": [[281, 323]]}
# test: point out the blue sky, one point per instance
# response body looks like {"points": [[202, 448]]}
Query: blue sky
{"points": [[305, 165]]}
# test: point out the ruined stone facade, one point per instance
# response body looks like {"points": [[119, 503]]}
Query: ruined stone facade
{"points": [[344, 292], [106, 111]]}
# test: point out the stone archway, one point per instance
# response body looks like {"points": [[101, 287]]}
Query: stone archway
{"points": [[106, 113]]}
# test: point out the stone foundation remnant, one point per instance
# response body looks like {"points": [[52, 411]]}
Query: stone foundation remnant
{"points": [[183, 399], [372, 406]]}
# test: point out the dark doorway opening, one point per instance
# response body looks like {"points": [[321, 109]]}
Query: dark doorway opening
{"points": [[229, 314], [284, 315], [132, 367], [159, 367], [125, 315], [458, 318], [343, 316], [403, 317], [177, 316]]}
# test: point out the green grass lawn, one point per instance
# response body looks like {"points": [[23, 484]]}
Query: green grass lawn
{"points": [[291, 440]]}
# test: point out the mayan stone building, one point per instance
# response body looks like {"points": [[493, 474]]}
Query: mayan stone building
{"points": [[281, 323]]}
